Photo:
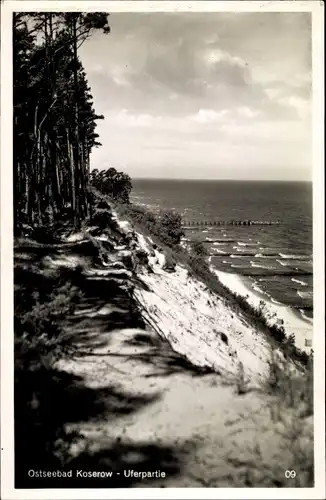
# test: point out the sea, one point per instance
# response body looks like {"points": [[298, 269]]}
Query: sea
{"points": [[275, 261]]}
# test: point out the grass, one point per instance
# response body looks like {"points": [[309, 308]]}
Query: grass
{"points": [[284, 438], [291, 409], [43, 298], [292, 386], [41, 302]]}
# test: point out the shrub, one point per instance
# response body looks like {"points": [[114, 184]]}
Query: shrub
{"points": [[43, 234], [240, 382], [102, 218], [170, 227], [199, 249], [38, 334], [110, 182], [141, 258], [42, 302], [292, 385], [167, 225]]}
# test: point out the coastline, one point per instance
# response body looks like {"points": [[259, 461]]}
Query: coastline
{"points": [[275, 313], [143, 332]]}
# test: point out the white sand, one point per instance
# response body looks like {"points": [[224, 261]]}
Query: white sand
{"points": [[192, 319], [274, 313]]}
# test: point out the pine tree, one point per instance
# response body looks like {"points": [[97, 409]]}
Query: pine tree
{"points": [[54, 119]]}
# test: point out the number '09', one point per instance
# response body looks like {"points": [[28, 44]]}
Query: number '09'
{"points": [[290, 474]]}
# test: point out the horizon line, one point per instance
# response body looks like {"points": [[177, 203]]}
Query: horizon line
{"points": [[216, 179]]}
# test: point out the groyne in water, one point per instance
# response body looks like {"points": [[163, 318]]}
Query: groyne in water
{"points": [[189, 224]]}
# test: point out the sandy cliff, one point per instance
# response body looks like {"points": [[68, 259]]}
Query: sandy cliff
{"points": [[176, 405]]}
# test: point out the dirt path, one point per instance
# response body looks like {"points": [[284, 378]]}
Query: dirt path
{"points": [[139, 405], [131, 402], [149, 384], [158, 403]]}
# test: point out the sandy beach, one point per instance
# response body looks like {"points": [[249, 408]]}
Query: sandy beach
{"points": [[275, 313]]}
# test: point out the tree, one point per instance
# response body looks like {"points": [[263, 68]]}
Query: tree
{"points": [[171, 227], [54, 119], [80, 26], [115, 184]]}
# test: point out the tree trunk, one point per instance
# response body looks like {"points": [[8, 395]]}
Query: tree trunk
{"points": [[56, 180], [76, 138], [73, 184]]}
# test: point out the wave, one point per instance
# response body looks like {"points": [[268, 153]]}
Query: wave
{"points": [[266, 256], [219, 251], [298, 281], [240, 255], [295, 257], [293, 264], [257, 265], [247, 244], [276, 302], [305, 295], [254, 264], [303, 315], [259, 290], [267, 251], [242, 250], [270, 250]]}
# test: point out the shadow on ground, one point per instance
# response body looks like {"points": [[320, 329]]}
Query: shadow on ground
{"points": [[107, 309], [47, 400], [42, 443]]}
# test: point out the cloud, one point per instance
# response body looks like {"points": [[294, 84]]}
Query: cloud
{"points": [[302, 106], [248, 112], [197, 87], [208, 116], [130, 120]]}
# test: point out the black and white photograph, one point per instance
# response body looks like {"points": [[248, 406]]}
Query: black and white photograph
{"points": [[165, 293]]}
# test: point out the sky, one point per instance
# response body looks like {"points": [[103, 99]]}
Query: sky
{"points": [[210, 96]]}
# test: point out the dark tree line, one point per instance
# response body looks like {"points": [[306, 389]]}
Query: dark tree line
{"points": [[110, 182], [54, 120]]}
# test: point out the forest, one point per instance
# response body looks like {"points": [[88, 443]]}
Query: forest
{"points": [[54, 133], [54, 123]]}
